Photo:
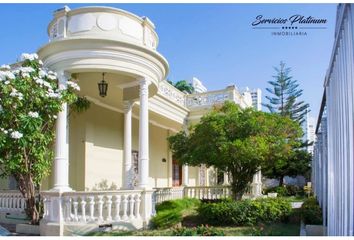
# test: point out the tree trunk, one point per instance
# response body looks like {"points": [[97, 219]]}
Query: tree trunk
{"points": [[281, 181], [28, 190]]}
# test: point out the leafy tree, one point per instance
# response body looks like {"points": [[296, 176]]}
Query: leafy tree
{"points": [[284, 100], [184, 86], [30, 100], [235, 140], [285, 95]]}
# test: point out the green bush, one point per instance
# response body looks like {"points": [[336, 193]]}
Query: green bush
{"points": [[311, 212], [198, 231], [245, 212], [183, 203], [170, 213]]}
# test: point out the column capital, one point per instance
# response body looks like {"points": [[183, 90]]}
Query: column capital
{"points": [[127, 105], [144, 81]]}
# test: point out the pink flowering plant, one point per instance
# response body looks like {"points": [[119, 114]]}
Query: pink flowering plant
{"points": [[30, 99]]}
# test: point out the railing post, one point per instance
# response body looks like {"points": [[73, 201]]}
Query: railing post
{"points": [[146, 206], [117, 206], [109, 208]]}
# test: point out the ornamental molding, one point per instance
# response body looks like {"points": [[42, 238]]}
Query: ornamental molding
{"points": [[144, 66]]}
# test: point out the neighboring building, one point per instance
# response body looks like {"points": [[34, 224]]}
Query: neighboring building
{"points": [[255, 95], [333, 161], [257, 99], [308, 127], [198, 86], [120, 142]]}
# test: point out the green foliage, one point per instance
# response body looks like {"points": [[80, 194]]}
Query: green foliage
{"points": [[80, 105], [167, 218], [170, 213], [284, 100], [30, 99], [184, 86], [235, 140], [245, 212], [311, 212], [180, 204], [285, 95], [198, 231]]}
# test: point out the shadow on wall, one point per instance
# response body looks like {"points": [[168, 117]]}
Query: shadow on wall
{"points": [[103, 186]]}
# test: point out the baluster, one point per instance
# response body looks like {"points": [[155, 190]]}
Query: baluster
{"points": [[19, 203], [109, 207], [137, 205], [100, 208], [209, 193], [125, 206], [117, 205], [131, 206], [1, 201], [75, 204], [45, 208], [92, 207], [83, 208], [68, 208], [6, 202], [23, 204]]}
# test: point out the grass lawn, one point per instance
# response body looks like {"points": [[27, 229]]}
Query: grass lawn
{"points": [[276, 229]]}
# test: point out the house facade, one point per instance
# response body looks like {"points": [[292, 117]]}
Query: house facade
{"points": [[112, 162]]}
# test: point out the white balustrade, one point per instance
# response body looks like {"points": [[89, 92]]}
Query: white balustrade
{"points": [[171, 93], [96, 207], [214, 192], [210, 98], [12, 201]]}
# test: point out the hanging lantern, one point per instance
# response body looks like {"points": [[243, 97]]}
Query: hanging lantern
{"points": [[102, 87]]}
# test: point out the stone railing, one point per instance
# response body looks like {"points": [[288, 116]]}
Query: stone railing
{"points": [[12, 201], [171, 93], [215, 192], [201, 192], [168, 193], [210, 98], [127, 209]]}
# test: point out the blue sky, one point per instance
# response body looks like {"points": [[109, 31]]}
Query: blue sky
{"points": [[213, 42]]}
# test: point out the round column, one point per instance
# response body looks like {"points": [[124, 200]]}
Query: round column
{"points": [[128, 145], [144, 135], [61, 159]]}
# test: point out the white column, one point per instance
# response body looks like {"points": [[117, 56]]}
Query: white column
{"points": [[61, 160], [185, 177], [226, 179], [144, 135], [127, 152]]}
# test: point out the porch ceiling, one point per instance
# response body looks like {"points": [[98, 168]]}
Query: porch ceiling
{"points": [[114, 99]]}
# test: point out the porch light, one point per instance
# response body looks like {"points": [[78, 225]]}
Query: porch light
{"points": [[102, 87]]}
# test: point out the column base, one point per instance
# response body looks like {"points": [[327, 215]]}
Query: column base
{"points": [[61, 189]]}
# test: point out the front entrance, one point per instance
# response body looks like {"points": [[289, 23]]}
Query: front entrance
{"points": [[176, 174]]}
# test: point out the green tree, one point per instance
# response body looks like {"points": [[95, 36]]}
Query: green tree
{"points": [[284, 100], [30, 100], [184, 86], [235, 140], [285, 94]]}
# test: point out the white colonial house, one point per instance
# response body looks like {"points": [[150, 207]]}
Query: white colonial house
{"points": [[112, 163]]}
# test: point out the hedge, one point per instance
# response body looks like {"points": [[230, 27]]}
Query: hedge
{"points": [[311, 212], [245, 212]]}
